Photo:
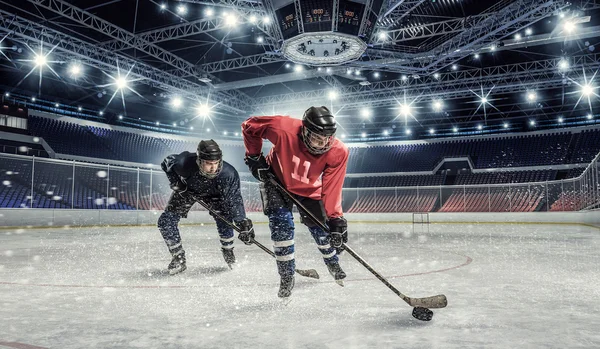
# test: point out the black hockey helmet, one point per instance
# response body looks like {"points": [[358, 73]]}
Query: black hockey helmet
{"points": [[318, 129], [209, 151]]}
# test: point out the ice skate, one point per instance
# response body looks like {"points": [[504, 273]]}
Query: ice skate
{"points": [[336, 271]]}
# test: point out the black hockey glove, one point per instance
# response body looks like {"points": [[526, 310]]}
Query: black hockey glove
{"points": [[247, 231], [179, 187], [338, 233], [258, 166]]}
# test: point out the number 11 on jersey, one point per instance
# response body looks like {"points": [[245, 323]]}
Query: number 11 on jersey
{"points": [[304, 178]]}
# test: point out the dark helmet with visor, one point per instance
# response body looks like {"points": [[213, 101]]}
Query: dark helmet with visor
{"points": [[318, 130], [209, 151]]}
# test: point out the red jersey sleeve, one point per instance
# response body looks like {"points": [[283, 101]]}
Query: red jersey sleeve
{"points": [[257, 128], [333, 181]]}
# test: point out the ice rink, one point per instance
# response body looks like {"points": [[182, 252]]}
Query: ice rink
{"points": [[508, 286]]}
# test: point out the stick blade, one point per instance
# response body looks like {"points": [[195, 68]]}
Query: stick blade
{"points": [[309, 273], [434, 302]]}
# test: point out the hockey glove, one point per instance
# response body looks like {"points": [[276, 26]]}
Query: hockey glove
{"points": [[338, 233], [179, 187], [247, 231], [258, 166]]}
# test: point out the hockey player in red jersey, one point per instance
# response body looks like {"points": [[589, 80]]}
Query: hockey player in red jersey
{"points": [[310, 163]]}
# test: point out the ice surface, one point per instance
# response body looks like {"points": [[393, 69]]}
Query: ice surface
{"points": [[508, 286]]}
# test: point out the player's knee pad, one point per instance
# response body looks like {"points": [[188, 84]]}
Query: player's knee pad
{"points": [[272, 199], [281, 224], [168, 220]]}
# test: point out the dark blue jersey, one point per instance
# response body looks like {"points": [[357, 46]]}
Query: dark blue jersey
{"points": [[222, 191]]}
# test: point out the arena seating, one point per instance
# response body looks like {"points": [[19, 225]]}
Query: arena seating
{"points": [[109, 187]]}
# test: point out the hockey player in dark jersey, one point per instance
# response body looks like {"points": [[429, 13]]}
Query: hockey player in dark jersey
{"points": [[310, 163], [206, 176]]}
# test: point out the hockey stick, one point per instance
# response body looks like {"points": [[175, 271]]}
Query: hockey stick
{"points": [[310, 273], [438, 301]]}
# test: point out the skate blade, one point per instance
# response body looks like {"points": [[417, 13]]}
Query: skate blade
{"points": [[230, 266], [340, 282], [285, 301], [177, 271]]}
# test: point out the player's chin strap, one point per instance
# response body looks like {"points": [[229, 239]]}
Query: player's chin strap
{"points": [[311, 273], [438, 301]]}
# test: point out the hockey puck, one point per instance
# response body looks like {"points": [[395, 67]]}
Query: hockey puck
{"points": [[422, 314]]}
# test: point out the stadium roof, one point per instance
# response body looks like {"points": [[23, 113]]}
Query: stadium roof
{"points": [[431, 68]]}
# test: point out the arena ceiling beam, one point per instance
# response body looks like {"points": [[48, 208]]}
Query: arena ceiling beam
{"points": [[96, 23], [69, 48], [487, 31], [544, 74]]}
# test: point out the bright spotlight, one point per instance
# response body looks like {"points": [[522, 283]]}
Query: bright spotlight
{"points": [[405, 110], [455, 129], [40, 60], [590, 116], [260, 39], [431, 131], [517, 37], [531, 97], [120, 117], [191, 128], [404, 77], [332, 95], [479, 127], [476, 56], [365, 113], [252, 19], [505, 125], [100, 113], [79, 109], [408, 131], [349, 72], [157, 123], [376, 74], [56, 105], [176, 102], [436, 75], [75, 69], [208, 130], [163, 6], [587, 90], [121, 83], [560, 119], [382, 35], [181, 10], [230, 20], [266, 20], [298, 68], [287, 65], [563, 64], [328, 70], [357, 72], [174, 124], [484, 100], [363, 135], [385, 132], [569, 27], [7, 94], [33, 99], [454, 67], [209, 12], [224, 133], [532, 122], [437, 106], [203, 110], [528, 31]]}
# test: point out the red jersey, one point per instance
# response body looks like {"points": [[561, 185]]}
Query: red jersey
{"points": [[319, 177]]}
